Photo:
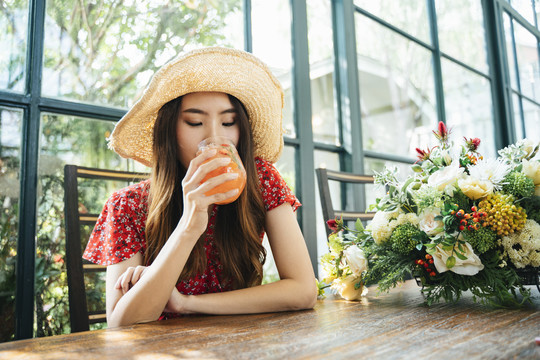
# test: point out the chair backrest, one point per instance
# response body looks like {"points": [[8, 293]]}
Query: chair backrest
{"points": [[77, 217], [328, 209]]}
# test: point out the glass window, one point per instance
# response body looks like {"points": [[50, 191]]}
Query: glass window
{"points": [[518, 124], [469, 109], [410, 16], [10, 154], [321, 67], [531, 112], [397, 97], [107, 53], [271, 27], [527, 59], [13, 26], [508, 35], [525, 9], [461, 33]]}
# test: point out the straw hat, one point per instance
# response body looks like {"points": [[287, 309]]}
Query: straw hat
{"points": [[215, 69]]}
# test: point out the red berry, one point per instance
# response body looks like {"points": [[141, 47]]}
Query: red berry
{"points": [[432, 273], [461, 228], [473, 208], [431, 261]]}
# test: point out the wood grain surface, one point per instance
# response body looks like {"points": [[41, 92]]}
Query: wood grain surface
{"points": [[396, 325]]}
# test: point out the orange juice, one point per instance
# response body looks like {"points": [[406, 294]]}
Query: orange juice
{"points": [[235, 166]]}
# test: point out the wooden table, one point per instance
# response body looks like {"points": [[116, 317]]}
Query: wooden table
{"points": [[391, 326]]}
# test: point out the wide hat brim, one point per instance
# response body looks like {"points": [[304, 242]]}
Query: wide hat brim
{"points": [[213, 69]]}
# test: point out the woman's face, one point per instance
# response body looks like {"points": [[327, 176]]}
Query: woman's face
{"points": [[202, 115]]}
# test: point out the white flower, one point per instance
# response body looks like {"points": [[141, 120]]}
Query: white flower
{"points": [[445, 178], [523, 247], [346, 287], [427, 222], [492, 170], [471, 266], [531, 169], [356, 260], [527, 145], [475, 188], [379, 226]]}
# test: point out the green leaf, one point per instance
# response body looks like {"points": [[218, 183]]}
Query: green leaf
{"points": [[358, 225], [460, 255], [407, 183], [450, 262], [447, 247]]}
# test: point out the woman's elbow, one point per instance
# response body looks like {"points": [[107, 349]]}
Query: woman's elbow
{"points": [[306, 297]]}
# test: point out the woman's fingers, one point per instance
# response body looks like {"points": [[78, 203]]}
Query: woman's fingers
{"points": [[137, 273], [129, 278], [203, 170], [198, 161]]}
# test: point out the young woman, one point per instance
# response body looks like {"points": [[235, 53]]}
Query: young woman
{"points": [[169, 249]]}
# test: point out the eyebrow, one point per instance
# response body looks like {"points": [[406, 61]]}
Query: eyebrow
{"points": [[199, 111]]}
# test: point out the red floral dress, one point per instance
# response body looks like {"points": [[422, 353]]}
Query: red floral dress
{"points": [[120, 230]]}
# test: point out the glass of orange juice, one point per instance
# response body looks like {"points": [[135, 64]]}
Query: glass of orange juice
{"points": [[225, 148]]}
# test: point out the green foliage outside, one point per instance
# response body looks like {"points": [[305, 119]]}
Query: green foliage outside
{"points": [[101, 51]]}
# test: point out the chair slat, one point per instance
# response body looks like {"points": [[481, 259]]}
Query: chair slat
{"points": [[328, 209]]}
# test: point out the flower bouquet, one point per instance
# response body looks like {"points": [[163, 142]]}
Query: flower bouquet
{"points": [[458, 223]]}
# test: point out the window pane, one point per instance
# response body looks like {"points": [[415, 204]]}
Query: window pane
{"points": [[10, 154], [461, 33], [525, 9], [397, 98], [410, 16], [67, 140], [532, 120], [527, 58], [13, 27], [510, 51], [321, 67], [329, 161], [271, 26], [108, 59], [469, 109], [516, 104]]}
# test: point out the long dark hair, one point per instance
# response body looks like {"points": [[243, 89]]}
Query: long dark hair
{"points": [[238, 225]]}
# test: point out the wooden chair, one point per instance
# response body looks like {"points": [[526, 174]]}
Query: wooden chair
{"points": [[328, 209], [77, 268]]}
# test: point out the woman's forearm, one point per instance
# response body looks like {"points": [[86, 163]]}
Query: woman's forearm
{"points": [[282, 295], [146, 300]]}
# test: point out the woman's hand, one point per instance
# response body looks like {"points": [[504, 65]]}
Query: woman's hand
{"points": [[129, 278], [194, 219]]}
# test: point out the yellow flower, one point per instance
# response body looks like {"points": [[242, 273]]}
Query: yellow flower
{"points": [[475, 188]]}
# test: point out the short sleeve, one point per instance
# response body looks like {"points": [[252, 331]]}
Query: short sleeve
{"points": [[274, 189], [119, 231]]}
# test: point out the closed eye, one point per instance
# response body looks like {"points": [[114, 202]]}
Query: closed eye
{"points": [[194, 124], [227, 124]]}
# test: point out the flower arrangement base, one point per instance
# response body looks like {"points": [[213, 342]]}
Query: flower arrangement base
{"points": [[529, 276]]}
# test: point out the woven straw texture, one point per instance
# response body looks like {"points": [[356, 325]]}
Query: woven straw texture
{"points": [[215, 69]]}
